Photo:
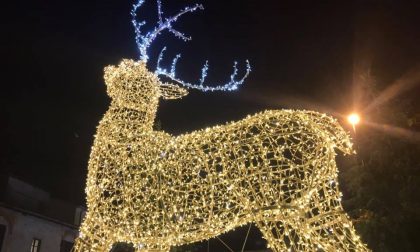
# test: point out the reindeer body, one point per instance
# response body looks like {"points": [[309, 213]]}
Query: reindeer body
{"points": [[276, 169]]}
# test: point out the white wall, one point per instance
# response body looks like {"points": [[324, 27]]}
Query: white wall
{"points": [[25, 227]]}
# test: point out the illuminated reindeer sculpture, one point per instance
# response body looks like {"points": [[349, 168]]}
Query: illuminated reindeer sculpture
{"points": [[275, 169]]}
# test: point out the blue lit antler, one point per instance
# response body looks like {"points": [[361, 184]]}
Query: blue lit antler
{"points": [[233, 84], [144, 41]]}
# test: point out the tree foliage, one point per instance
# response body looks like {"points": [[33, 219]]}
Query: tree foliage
{"points": [[382, 182]]}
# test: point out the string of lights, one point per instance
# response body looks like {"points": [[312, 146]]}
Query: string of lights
{"points": [[233, 84], [276, 169], [144, 42]]}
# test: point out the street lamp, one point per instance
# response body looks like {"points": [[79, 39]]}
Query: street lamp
{"points": [[353, 119]]}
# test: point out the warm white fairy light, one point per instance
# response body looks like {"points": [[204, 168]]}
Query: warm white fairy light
{"points": [[276, 169]]}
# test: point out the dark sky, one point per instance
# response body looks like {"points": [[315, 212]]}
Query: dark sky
{"points": [[303, 55]]}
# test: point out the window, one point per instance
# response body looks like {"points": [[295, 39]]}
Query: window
{"points": [[79, 215], [66, 246], [36, 245], [2, 235]]}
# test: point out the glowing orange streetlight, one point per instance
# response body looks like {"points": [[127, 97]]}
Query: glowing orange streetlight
{"points": [[353, 119]]}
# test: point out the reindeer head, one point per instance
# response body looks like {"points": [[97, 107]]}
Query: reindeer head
{"points": [[131, 85]]}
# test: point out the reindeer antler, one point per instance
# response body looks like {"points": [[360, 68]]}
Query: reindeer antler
{"points": [[144, 41], [233, 84]]}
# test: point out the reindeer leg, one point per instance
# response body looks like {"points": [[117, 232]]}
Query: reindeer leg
{"points": [[284, 236], [335, 232], [92, 238], [153, 248], [273, 234], [330, 224]]}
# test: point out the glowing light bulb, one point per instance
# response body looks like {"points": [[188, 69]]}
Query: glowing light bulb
{"points": [[353, 119]]}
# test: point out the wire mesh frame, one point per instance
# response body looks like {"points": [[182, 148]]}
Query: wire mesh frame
{"points": [[275, 169]]}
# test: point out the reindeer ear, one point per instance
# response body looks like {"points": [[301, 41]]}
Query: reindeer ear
{"points": [[109, 72], [170, 91]]}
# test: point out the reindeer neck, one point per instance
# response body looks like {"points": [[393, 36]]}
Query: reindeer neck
{"points": [[144, 120]]}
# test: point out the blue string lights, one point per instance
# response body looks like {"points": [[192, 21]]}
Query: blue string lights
{"points": [[147, 187], [144, 41]]}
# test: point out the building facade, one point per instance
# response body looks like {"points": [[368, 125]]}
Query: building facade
{"points": [[32, 221]]}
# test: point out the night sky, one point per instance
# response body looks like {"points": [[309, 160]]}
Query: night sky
{"points": [[303, 55]]}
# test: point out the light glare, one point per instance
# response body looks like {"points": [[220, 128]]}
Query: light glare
{"points": [[353, 119]]}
